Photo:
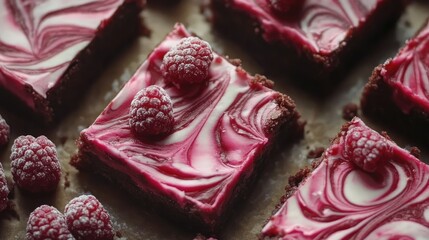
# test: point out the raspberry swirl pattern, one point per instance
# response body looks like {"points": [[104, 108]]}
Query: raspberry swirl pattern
{"points": [[408, 73], [39, 39], [339, 200], [220, 128], [320, 25]]}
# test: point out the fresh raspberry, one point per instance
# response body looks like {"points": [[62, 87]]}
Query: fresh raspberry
{"points": [[4, 190], [35, 166], [188, 62], [151, 112], [87, 219], [4, 132], [366, 148], [46, 222], [285, 6]]}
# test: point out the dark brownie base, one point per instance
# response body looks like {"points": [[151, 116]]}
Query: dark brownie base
{"points": [[319, 72], [377, 103], [287, 128], [85, 68]]}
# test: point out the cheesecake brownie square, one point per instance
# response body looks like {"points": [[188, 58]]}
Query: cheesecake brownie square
{"points": [[223, 130], [50, 51], [312, 40], [363, 187], [397, 93]]}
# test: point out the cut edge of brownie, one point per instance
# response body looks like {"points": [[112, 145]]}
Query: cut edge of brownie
{"points": [[321, 71], [378, 104], [286, 128], [87, 65]]}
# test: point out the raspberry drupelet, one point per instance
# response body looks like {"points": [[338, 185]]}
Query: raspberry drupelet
{"points": [[34, 164], [4, 132], [188, 62], [46, 222], [367, 149], [151, 112], [4, 190], [87, 219]]}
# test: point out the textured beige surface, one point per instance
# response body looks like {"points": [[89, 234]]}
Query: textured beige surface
{"points": [[130, 216]]}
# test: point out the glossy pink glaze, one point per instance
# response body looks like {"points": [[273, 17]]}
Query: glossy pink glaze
{"points": [[220, 131], [320, 25], [39, 39], [408, 73], [341, 201]]}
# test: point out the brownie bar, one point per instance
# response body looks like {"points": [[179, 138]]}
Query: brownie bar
{"points": [[345, 196], [318, 70], [81, 71], [397, 99], [188, 216], [175, 173], [377, 102]]}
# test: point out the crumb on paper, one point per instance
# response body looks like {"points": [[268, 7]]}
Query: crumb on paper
{"points": [[316, 152], [415, 151], [350, 111], [66, 180]]}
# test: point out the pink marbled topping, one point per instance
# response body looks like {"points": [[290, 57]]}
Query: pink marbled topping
{"points": [[320, 25], [341, 201], [220, 131], [39, 39], [408, 73]]}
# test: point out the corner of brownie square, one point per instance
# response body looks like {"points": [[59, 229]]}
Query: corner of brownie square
{"points": [[223, 130], [51, 50], [398, 90], [363, 187], [312, 40]]}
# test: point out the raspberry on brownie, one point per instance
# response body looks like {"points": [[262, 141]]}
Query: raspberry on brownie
{"points": [[367, 149], [187, 62], [315, 40], [398, 90], [151, 112], [339, 198], [223, 128], [51, 50]]}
